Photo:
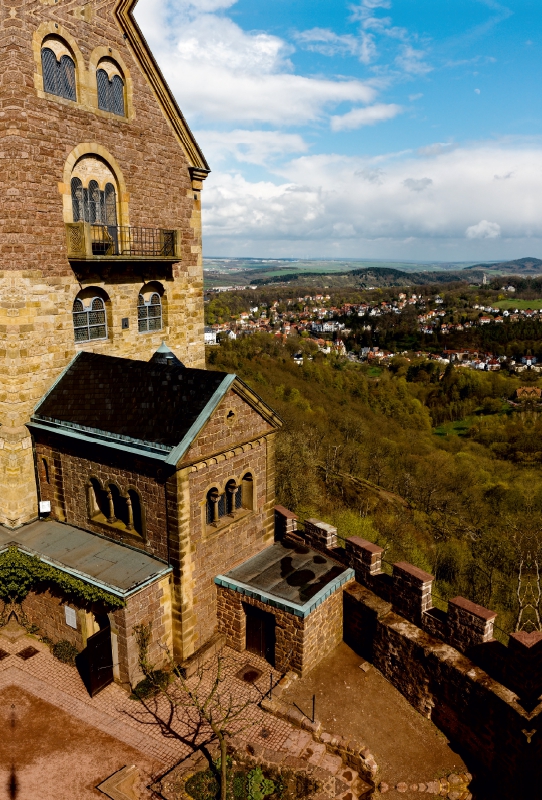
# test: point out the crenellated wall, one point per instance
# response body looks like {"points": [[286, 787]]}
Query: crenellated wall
{"points": [[482, 694]]}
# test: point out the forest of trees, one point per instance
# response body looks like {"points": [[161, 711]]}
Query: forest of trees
{"points": [[433, 464]]}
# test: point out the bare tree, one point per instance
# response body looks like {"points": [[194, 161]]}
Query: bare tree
{"points": [[199, 709]]}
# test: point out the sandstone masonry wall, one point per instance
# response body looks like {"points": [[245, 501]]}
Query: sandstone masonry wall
{"points": [[38, 132], [300, 643], [69, 475]]}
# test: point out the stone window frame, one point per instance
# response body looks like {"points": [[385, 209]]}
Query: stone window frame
{"points": [[111, 57], [65, 42], [229, 516], [147, 291], [112, 521], [87, 297], [108, 79], [97, 151]]}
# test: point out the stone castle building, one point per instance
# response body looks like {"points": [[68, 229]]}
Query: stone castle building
{"points": [[101, 230], [124, 465]]}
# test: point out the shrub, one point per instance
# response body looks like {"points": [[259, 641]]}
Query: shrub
{"points": [[153, 683], [65, 651]]}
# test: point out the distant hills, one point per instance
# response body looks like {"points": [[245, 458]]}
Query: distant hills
{"points": [[520, 266], [371, 276]]}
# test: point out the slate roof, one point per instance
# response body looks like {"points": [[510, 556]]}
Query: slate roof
{"points": [[138, 405], [114, 567], [289, 576]]}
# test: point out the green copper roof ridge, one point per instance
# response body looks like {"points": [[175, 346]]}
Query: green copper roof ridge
{"points": [[73, 433]]}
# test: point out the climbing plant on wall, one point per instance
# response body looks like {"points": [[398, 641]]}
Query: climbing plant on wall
{"points": [[20, 573]]}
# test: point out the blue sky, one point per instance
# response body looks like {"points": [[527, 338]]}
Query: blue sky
{"points": [[394, 129]]}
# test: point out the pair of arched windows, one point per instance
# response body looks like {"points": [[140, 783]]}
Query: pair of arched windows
{"points": [[90, 317], [58, 74], [110, 93], [108, 505], [234, 498], [59, 78]]}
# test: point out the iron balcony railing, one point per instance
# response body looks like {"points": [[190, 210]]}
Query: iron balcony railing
{"points": [[87, 241]]}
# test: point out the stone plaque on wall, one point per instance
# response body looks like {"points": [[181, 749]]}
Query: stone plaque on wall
{"points": [[71, 618]]}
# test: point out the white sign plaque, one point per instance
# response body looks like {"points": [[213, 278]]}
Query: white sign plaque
{"points": [[71, 618]]}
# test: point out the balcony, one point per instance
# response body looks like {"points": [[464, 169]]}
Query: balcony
{"points": [[121, 243]]}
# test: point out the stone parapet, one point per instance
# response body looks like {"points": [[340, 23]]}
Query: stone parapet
{"points": [[411, 591], [468, 624], [285, 522], [320, 534]]}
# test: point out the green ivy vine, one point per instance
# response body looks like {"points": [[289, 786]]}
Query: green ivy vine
{"points": [[20, 572]]}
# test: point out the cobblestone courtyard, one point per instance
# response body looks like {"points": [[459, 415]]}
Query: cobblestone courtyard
{"points": [[61, 743]]}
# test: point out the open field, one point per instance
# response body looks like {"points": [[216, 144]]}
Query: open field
{"points": [[519, 304]]}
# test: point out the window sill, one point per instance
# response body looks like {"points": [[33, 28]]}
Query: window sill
{"points": [[118, 526], [227, 521]]}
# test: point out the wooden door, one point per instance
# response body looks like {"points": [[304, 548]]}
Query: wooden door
{"points": [[96, 664], [260, 633]]}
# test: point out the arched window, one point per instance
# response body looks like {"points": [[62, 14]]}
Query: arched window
{"points": [[247, 491], [58, 74], [89, 320], [99, 207], [99, 505], [215, 506], [136, 511], [233, 497], [120, 508], [149, 313], [110, 93]]}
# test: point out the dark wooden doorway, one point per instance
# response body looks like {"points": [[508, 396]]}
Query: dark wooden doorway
{"points": [[260, 633], [95, 663]]}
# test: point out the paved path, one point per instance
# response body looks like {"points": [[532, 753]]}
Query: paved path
{"points": [[62, 743]]}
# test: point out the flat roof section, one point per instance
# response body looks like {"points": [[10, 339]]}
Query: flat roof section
{"points": [[114, 567], [288, 576]]}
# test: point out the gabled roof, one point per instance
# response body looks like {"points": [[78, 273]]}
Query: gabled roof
{"points": [[125, 17], [143, 407]]}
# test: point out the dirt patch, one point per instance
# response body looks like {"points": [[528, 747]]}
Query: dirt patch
{"points": [[48, 754], [362, 705]]}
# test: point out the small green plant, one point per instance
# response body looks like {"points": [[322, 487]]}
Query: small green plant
{"points": [[65, 651], [155, 681], [258, 786]]}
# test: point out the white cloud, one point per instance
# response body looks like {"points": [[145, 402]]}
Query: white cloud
{"points": [[370, 115], [221, 73], [411, 61], [329, 43], [251, 147], [319, 194], [417, 184], [483, 230]]}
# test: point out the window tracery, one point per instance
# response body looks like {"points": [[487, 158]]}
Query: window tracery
{"points": [[89, 319], [58, 74], [149, 313], [110, 93]]}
